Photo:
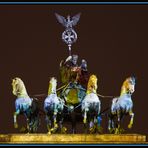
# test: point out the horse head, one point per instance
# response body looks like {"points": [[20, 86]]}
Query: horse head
{"points": [[18, 87], [15, 83], [92, 84], [128, 85], [52, 85]]}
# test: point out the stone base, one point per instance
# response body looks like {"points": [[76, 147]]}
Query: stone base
{"points": [[71, 138]]}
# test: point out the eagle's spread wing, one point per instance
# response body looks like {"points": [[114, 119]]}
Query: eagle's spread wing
{"points": [[76, 19], [61, 19]]}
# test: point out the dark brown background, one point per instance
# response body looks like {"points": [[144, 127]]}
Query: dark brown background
{"points": [[112, 38]]}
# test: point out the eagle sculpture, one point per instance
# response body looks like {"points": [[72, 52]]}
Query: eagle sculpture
{"points": [[69, 22]]}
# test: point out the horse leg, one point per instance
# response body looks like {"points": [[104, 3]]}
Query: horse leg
{"points": [[85, 117], [91, 126], [113, 124], [60, 117], [31, 125], [131, 120], [95, 124], [28, 125], [48, 121], [110, 123], [98, 124], [85, 121], [91, 123], [121, 117], [15, 118], [117, 130], [35, 124], [62, 129], [55, 125], [35, 116], [31, 122]]}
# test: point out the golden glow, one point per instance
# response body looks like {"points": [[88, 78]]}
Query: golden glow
{"points": [[92, 84], [72, 138], [50, 88]]}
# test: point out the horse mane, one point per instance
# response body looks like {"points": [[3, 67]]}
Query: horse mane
{"points": [[19, 88], [92, 84]]}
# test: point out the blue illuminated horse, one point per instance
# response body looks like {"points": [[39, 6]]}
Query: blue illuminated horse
{"points": [[122, 105], [91, 107], [25, 105], [53, 107]]}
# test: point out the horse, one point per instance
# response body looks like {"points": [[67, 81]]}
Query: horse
{"points": [[121, 106], [91, 106], [53, 107], [25, 105]]}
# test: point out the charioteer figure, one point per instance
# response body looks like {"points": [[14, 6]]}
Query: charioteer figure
{"points": [[69, 69], [71, 72]]}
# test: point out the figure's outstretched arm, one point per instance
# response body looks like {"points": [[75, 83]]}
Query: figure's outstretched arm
{"points": [[68, 58], [63, 62]]}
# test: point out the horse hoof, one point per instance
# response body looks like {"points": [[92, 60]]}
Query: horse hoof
{"points": [[111, 130], [117, 131], [49, 133], [23, 130], [121, 130], [63, 131], [15, 125], [100, 129], [130, 126], [91, 130], [53, 130]]}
